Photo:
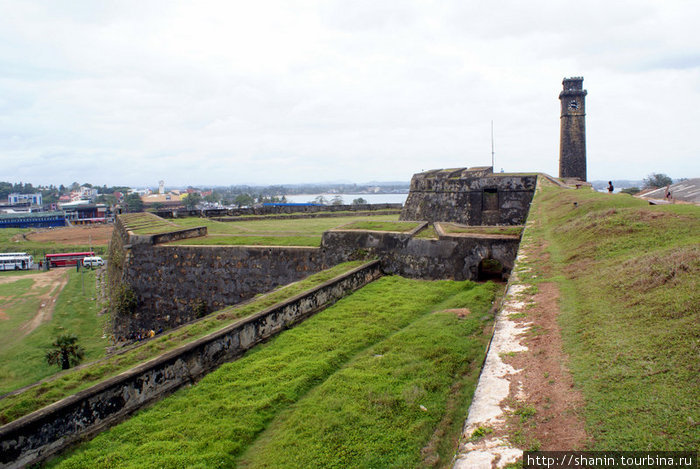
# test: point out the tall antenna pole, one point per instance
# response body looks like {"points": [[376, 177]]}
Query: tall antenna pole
{"points": [[492, 151]]}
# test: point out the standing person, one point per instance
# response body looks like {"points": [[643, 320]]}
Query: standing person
{"points": [[668, 193], [610, 187]]}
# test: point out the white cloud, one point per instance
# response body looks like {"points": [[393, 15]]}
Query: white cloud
{"points": [[214, 92]]}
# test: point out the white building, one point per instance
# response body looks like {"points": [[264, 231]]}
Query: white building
{"points": [[32, 199]]}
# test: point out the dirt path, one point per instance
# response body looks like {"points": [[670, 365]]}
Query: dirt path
{"points": [[525, 398], [98, 235], [56, 280]]}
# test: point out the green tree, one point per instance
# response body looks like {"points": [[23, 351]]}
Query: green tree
{"points": [[320, 200], [655, 180], [630, 190], [192, 200], [244, 199], [134, 203], [359, 201], [65, 352], [337, 200], [107, 199]]}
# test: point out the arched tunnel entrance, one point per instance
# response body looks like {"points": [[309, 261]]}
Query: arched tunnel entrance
{"points": [[490, 269]]}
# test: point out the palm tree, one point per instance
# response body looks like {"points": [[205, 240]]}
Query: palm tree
{"points": [[65, 352]]}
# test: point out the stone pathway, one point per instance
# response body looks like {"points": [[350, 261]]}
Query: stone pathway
{"points": [[487, 413]]}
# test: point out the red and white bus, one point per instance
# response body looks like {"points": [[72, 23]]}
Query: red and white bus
{"points": [[15, 261], [67, 258]]}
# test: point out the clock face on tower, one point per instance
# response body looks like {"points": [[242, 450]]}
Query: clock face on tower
{"points": [[573, 105]]}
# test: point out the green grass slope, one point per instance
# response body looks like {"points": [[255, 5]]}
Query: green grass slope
{"points": [[22, 359], [70, 382], [378, 354], [630, 312]]}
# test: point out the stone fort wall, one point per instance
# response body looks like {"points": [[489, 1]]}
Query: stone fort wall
{"points": [[470, 196], [178, 284]]}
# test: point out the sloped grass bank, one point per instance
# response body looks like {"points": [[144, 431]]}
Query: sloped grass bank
{"points": [[15, 406], [424, 357], [628, 276], [22, 358], [382, 409]]}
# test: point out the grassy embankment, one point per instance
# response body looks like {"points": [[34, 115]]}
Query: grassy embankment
{"points": [[398, 226], [270, 232], [630, 312], [12, 240], [380, 379], [482, 230], [13, 407], [22, 359]]}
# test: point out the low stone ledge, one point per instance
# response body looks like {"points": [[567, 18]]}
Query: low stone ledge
{"points": [[36, 437], [159, 238]]}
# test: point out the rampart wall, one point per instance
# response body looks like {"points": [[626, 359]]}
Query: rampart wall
{"points": [[41, 434], [471, 196], [455, 257], [177, 284]]}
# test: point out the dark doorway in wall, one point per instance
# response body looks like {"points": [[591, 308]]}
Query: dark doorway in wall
{"points": [[490, 200], [490, 269]]}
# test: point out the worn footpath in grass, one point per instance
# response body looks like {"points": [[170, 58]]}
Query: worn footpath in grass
{"points": [[628, 276], [14, 406], [211, 424], [22, 359]]}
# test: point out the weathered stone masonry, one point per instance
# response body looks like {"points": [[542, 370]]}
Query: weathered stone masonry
{"points": [[470, 196], [455, 257], [176, 284]]}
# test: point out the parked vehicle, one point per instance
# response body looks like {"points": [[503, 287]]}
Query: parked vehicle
{"points": [[67, 258], [16, 261], [93, 261]]}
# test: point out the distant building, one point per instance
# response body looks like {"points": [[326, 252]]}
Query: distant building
{"points": [[161, 187], [31, 199], [82, 212], [32, 220], [88, 193], [169, 200]]}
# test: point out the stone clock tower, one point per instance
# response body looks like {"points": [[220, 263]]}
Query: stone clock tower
{"points": [[572, 144]]}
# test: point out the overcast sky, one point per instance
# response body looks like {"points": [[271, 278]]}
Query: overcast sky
{"points": [[267, 92]]}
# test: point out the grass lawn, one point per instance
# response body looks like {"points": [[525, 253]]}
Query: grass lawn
{"points": [[13, 407], [400, 226], [488, 230], [628, 279], [302, 398], [427, 233], [272, 232], [22, 357]]}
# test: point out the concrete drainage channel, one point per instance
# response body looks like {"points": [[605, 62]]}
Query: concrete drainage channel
{"points": [[482, 442], [36, 437]]}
